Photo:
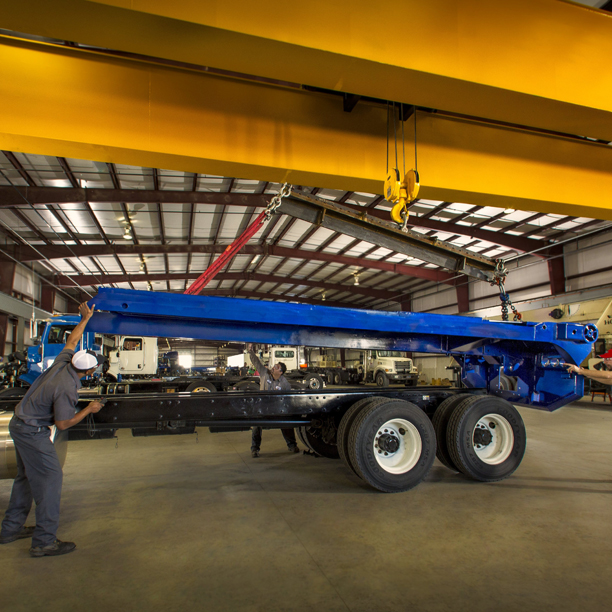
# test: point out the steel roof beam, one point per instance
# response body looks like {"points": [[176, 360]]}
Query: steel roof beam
{"points": [[45, 195], [96, 279], [24, 253], [385, 235]]}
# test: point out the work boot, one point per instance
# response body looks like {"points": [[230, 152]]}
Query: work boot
{"points": [[26, 532], [52, 550], [254, 454], [294, 449]]}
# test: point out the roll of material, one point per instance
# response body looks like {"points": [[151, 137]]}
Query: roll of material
{"points": [[8, 458]]}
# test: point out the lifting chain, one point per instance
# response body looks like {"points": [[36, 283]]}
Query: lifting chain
{"points": [[500, 276], [276, 201]]}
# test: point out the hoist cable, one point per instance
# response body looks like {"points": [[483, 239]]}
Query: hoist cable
{"points": [[387, 137], [403, 137], [395, 135], [416, 168], [58, 236], [47, 281]]}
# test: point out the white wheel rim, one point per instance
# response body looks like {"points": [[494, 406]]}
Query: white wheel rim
{"points": [[409, 448], [501, 439]]}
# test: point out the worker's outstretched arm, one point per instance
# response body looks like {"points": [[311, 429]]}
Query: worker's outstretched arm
{"points": [[73, 339], [259, 366], [604, 376]]}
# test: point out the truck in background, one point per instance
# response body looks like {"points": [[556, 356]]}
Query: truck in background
{"points": [[385, 367], [369, 366], [134, 365]]}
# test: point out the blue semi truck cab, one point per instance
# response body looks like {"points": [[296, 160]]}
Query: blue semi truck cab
{"points": [[51, 343]]}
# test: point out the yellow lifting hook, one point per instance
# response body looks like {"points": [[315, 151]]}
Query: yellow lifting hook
{"points": [[401, 193]]}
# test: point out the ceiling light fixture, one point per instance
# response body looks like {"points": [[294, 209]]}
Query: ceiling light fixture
{"points": [[356, 278], [127, 236]]}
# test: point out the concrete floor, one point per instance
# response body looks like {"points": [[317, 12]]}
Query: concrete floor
{"points": [[167, 524]]}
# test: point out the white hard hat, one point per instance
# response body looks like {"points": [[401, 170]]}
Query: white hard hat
{"points": [[87, 359]]}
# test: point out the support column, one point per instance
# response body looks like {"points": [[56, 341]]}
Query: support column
{"points": [[463, 295], [406, 304], [3, 328], [556, 271], [47, 298], [7, 275], [20, 333]]}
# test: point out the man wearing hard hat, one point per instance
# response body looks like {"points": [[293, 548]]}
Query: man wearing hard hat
{"points": [[51, 400]]}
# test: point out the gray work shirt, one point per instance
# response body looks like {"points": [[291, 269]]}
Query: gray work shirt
{"points": [[54, 394], [266, 380]]}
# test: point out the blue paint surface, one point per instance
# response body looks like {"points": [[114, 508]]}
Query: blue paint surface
{"points": [[522, 362]]}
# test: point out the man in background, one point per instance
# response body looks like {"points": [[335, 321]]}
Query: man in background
{"points": [[271, 380]]}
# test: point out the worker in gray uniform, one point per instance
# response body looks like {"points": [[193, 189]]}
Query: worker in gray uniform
{"points": [[271, 380], [51, 400]]}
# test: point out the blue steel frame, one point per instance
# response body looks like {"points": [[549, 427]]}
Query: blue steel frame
{"points": [[522, 362]]}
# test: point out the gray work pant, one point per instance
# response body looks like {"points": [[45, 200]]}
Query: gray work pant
{"points": [[288, 434], [39, 476]]}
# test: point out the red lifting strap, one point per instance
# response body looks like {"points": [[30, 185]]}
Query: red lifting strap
{"points": [[226, 256]]}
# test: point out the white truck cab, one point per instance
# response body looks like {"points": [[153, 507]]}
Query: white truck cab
{"points": [[384, 367], [133, 356]]}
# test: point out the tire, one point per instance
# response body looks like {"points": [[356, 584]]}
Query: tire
{"points": [[382, 380], [301, 434], [247, 385], [12, 392], [316, 444], [345, 427], [406, 426], [486, 438], [440, 421], [337, 378], [313, 381], [201, 387], [412, 383]]}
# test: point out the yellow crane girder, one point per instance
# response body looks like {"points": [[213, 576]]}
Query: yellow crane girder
{"points": [[71, 103], [540, 63]]}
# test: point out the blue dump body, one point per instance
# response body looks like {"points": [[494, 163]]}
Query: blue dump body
{"points": [[521, 362]]}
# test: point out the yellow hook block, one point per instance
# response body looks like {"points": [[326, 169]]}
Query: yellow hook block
{"points": [[401, 193]]}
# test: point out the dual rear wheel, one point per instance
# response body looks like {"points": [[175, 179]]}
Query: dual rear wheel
{"points": [[480, 436], [388, 443]]}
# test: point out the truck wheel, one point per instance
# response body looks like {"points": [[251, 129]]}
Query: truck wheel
{"points": [[337, 378], [247, 385], [345, 427], [11, 392], [313, 381], [316, 444], [392, 445], [201, 387], [486, 438], [412, 383], [382, 380], [440, 421]]}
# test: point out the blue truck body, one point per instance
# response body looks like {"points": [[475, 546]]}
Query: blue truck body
{"points": [[520, 362]]}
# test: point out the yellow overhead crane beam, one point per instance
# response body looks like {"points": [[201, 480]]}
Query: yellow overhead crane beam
{"points": [[71, 103], [540, 63]]}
